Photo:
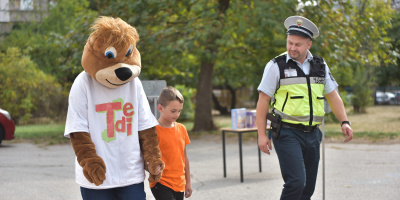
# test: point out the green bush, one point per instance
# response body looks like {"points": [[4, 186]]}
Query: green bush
{"points": [[188, 107], [26, 91]]}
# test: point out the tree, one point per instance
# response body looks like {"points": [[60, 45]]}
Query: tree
{"points": [[55, 44], [253, 35], [353, 42], [187, 41], [38, 80], [27, 91], [389, 74]]}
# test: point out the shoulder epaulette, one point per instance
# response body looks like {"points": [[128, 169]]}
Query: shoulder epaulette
{"points": [[279, 58]]}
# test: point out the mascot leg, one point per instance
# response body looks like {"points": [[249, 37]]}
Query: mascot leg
{"points": [[151, 153], [93, 165]]}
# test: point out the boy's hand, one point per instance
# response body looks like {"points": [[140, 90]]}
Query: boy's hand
{"points": [[188, 190]]}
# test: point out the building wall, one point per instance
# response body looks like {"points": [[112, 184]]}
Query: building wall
{"points": [[12, 11]]}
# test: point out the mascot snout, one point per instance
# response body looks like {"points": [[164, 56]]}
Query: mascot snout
{"points": [[117, 75]]}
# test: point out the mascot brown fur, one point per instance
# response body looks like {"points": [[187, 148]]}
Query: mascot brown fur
{"points": [[110, 57]]}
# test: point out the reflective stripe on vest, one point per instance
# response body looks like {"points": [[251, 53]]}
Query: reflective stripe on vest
{"points": [[300, 99]]}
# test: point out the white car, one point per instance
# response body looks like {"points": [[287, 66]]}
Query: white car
{"points": [[384, 97]]}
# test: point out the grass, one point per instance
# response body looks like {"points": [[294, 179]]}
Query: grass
{"points": [[41, 133], [379, 124]]}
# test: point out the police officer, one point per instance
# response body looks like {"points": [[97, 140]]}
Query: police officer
{"points": [[298, 82]]}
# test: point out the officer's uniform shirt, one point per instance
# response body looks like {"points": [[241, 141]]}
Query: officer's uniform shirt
{"points": [[270, 80]]}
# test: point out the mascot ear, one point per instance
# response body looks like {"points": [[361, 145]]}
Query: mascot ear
{"points": [[87, 60]]}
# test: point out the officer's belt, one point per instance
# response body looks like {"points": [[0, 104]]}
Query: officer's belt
{"points": [[300, 127]]}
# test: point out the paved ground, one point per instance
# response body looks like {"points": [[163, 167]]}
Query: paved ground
{"points": [[353, 171]]}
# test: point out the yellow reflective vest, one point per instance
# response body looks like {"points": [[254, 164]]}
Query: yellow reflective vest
{"points": [[300, 98]]}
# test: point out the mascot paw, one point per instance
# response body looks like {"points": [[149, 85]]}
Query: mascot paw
{"points": [[151, 178], [95, 171], [155, 178], [155, 169]]}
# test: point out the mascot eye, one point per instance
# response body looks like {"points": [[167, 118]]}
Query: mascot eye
{"points": [[110, 52], [130, 50]]}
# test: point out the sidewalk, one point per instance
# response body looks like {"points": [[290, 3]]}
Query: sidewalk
{"points": [[353, 171]]}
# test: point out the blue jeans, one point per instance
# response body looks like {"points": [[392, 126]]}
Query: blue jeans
{"points": [[130, 192], [298, 153]]}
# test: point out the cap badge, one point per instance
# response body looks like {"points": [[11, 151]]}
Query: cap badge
{"points": [[299, 22]]}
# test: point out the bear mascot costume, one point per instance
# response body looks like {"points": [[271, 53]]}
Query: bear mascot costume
{"points": [[109, 121]]}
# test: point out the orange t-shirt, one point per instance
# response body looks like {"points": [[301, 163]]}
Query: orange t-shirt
{"points": [[172, 143]]}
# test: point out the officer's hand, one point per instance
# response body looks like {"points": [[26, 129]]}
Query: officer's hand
{"points": [[264, 143], [347, 132]]}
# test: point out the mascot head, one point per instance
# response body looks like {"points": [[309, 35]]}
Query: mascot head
{"points": [[110, 55]]}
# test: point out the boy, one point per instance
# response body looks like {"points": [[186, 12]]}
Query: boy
{"points": [[173, 138]]}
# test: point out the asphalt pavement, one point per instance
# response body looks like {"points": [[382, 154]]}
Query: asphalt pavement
{"points": [[353, 171]]}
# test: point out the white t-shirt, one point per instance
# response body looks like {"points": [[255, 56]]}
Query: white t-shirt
{"points": [[113, 118]]}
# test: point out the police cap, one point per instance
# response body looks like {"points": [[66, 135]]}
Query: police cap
{"points": [[298, 25]]}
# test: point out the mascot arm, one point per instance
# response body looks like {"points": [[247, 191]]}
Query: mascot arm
{"points": [[151, 153], [93, 165]]}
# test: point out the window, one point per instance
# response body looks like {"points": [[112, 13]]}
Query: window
{"points": [[26, 4], [4, 13]]}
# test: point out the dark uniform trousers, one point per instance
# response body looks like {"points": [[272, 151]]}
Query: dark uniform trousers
{"points": [[298, 153]]}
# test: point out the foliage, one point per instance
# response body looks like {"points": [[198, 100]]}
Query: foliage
{"points": [[188, 94], [362, 96], [389, 74], [251, 29], [52, 50], [197, 43], [25, 90], [354, 42], [57, 42]]}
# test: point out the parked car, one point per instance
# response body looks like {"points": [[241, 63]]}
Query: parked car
{"points": [[384, 97], [396, 99], [7, 126]]}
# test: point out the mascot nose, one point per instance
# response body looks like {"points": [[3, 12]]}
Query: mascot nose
{"points": [[123, 73]]}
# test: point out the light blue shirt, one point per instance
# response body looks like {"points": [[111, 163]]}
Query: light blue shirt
{"points": [[270, 80]]}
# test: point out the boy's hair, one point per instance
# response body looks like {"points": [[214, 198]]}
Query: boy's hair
{"points": [[169, 94]]}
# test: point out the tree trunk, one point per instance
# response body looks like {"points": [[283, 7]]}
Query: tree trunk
{"points": [[233, 96], [203, 117], [222, 110]]}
